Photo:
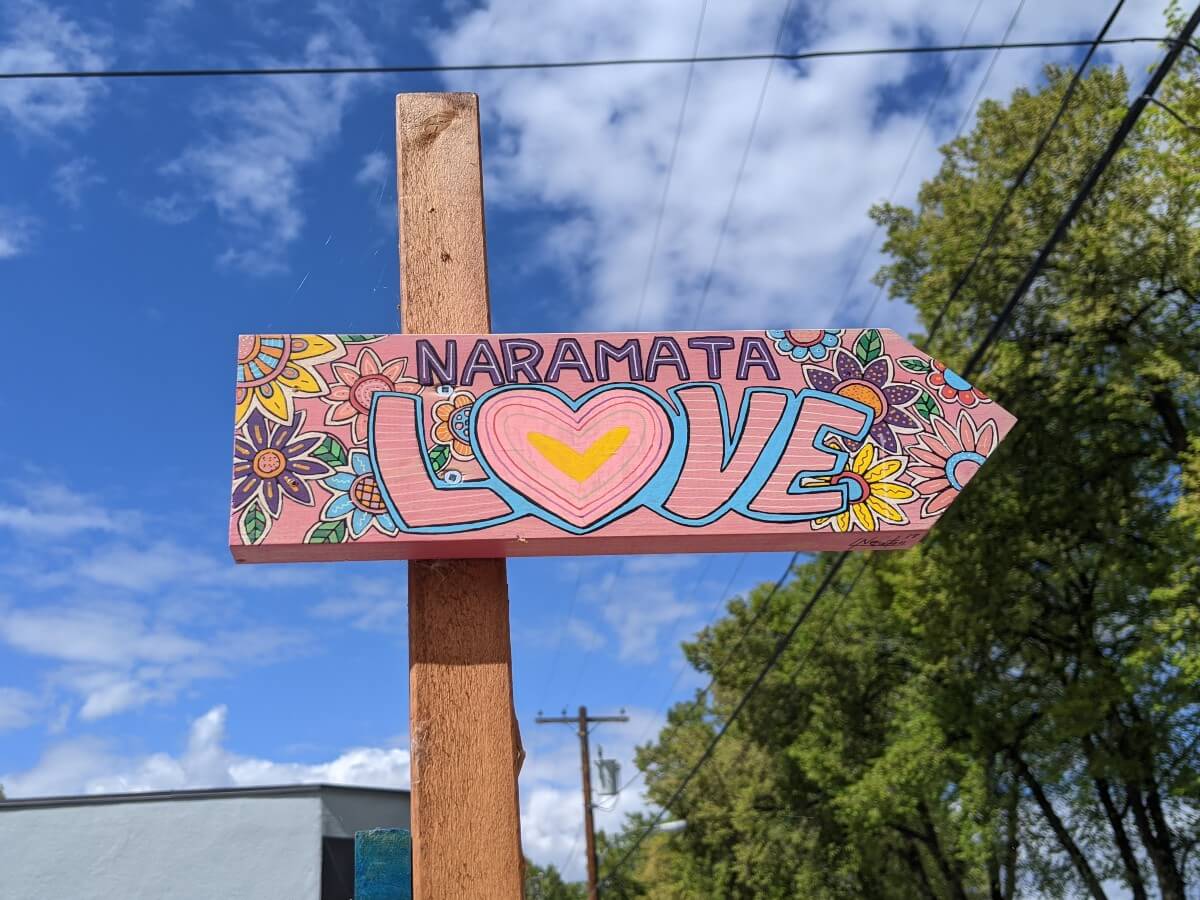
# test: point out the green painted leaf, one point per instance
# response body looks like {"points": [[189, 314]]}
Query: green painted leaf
{"points": [[439, 455], [327, 533], [254, 523], [926, 407], [869, 346], [331, 451], [916, 364], [360, 338]]}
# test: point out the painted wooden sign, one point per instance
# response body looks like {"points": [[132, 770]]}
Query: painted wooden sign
{"points": [[425, 447]]}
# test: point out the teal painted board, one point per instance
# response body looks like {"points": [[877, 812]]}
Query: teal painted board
{"points": [[383, 864]]}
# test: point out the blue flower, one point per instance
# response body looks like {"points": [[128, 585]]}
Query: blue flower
{"points": [[356, 494], [802, 344]]}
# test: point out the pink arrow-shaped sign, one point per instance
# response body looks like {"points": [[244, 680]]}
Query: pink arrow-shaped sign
{"points": [[418, 447]]}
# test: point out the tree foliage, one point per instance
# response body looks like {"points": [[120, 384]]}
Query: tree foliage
{"points": [[1011, 710], [546, 883]]}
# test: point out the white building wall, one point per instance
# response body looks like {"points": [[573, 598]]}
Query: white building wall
{"points": [[230, 848]]}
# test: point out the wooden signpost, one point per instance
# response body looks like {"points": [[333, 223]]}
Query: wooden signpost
{"points": [[455, 449]]}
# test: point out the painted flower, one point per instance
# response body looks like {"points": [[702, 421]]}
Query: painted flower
{"points": [[946, 383], [272, 461], [953, 388], [274, 368], [452, 423], [948, 458], [875, 494], [349, 397], [356, 495], [870, 384], [802, 344]]}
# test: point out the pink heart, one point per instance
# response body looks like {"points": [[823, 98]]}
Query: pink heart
{"points": [[601, 482]]}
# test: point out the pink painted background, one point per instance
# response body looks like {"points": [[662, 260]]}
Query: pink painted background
{"points": [[304, 488]]}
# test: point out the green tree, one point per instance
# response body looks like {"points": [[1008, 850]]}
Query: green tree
{"points": [[1013, 709], [547, 884]]}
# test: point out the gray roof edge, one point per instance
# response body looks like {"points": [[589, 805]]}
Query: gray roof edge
{"points": [[278, 790]]}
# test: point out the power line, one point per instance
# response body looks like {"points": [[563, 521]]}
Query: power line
{"points": [[780, 646], [839, 603], [570, 858], [962, 126], [741, 169], [816, 643], [991, 67], [720, 666], [617, 575], [586, 656], [708, 619], [1132, 114], [1043, 141], [662, 205], [662, 704], [745, 631], [559, 642], [912, 151], [256, 71], [752, 622]]}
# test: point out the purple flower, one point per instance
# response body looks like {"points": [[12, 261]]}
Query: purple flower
{"points": [[270, 461], [872, 386]]}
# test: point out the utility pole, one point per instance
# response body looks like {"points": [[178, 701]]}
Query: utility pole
{"points": [[582, 721]]}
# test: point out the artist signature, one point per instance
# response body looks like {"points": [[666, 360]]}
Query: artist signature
{"points": [[898, 541]]}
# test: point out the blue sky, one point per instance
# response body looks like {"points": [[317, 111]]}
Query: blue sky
{"points": [[144, 224]]}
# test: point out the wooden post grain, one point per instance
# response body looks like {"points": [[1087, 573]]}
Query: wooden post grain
{"points": [[466, 750]]}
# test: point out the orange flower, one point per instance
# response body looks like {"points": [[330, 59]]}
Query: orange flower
{"points": [[452, 424]]}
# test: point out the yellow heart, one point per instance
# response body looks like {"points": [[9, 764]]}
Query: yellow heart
{"points": [[576, 465]]}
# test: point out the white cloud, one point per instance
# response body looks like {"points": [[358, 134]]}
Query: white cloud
{"points": [[584, 635], [367, 604], [639, 623], [249, 164], [638, 598], [38, 37], [118, 656], [593, 144], [125, 618], [71, 179], [99, 634], [374, 169], [17, 708], [144, 568], [551, 824], [53, 510], [173, 208], [147, 566], [16, 232], [376, 174], [90, 766]]}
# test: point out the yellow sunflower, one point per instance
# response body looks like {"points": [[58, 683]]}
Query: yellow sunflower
{"points": [[275, 368], [875, 495]]}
